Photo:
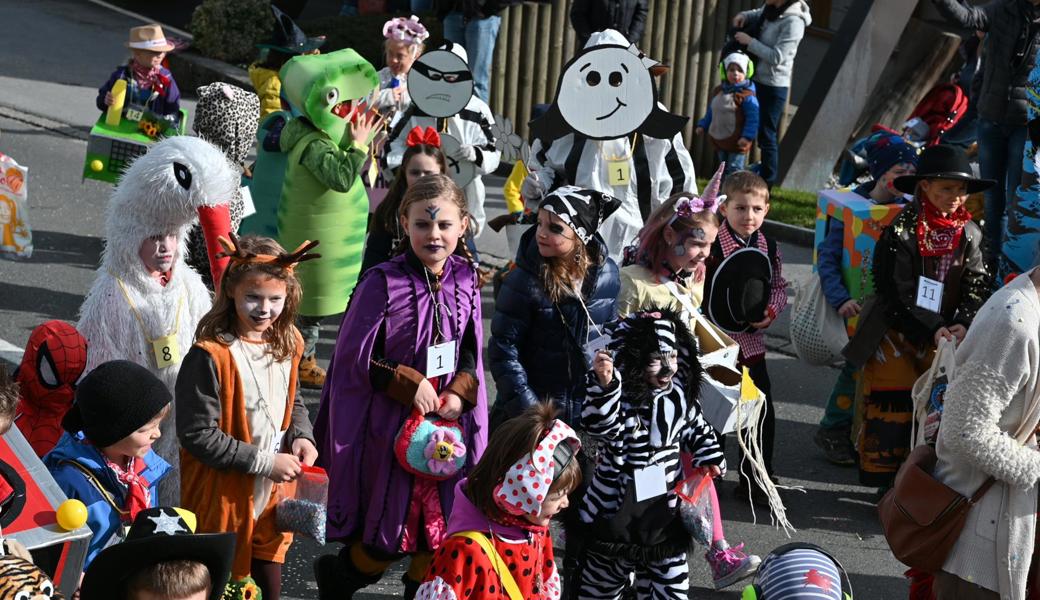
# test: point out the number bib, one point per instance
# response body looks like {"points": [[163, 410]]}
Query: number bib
{"points": [[167, 353], [650, 482], [929, 294], [134, 114], [618, 172], [440, 359]]}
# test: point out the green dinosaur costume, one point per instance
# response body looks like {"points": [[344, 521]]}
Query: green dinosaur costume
{"points": [[322, 195]]}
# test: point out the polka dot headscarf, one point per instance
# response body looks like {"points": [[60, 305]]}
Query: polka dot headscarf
{"points": [[527, 482]]}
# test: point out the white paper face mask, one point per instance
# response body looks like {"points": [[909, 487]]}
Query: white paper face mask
{"points": [[606, 92], [440, 83]]}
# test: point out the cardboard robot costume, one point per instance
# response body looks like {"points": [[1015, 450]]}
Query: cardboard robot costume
{"points": [[441, 87], [130, 315], [607, 131]]}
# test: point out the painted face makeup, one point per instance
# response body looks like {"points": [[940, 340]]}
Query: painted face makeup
{"points": [[554, 237], [434, 228], [259, 300], [659, 373]]}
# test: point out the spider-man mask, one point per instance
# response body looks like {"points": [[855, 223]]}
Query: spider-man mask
{"points": [[53, 362]]}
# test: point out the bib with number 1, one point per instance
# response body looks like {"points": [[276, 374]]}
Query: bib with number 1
{"points": [[618, 172], [440, 359]]}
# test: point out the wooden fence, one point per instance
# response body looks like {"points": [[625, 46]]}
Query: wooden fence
{"points": [[536, 41]]}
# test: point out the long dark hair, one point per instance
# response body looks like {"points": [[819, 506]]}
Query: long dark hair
{"points": [[386, 213]]}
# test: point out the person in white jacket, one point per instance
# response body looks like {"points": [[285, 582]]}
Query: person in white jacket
{"points": [[441, 88], [146, 301]]}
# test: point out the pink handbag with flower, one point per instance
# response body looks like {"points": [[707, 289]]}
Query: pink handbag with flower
{"points": [[430, 446]]}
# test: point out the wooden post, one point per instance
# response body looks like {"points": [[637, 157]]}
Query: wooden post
{"points": [[498, 66], [693, 80], [541, 81], [530, 70], [680, 76], [513, 64]]}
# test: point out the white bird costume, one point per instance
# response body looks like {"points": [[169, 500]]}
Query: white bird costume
{"points": [[128, 314]]}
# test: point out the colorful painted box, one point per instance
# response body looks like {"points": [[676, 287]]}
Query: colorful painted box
{"points": [[864, 222]]}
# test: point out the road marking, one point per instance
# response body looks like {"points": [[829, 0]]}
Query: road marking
{"points": [[10, 353]]}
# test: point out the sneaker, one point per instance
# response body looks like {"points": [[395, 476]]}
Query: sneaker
{"points": [[730, 565], [311, 375], [836, 446]]}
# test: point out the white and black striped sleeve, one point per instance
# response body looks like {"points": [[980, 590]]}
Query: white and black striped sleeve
{"points": [[601, 412], [700, 441]]}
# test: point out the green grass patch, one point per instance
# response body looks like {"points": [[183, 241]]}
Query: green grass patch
{"points": [[787, 206]]}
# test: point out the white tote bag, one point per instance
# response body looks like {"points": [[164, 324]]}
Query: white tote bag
{"points": [[929, 393], [817, 330]]}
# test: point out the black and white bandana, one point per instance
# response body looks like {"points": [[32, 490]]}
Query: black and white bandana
{"points": [[581, 209]]}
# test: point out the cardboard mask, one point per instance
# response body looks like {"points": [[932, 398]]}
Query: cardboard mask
{"points": [[327, 88], [461, 171], [606, 92], [440, 82]]}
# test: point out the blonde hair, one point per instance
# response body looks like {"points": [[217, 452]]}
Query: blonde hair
{"points": [[432, 187], [9, 397], [560, 273], [172, 579], [222, 318], [745, 182]]}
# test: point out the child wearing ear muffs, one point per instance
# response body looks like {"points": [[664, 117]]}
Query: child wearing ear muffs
{"points": [[732, 116]]}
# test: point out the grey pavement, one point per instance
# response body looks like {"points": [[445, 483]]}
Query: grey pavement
{"points": [[46, 107]]}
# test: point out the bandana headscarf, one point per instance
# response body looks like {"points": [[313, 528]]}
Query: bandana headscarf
{"points": [[137, 496], [527, 482], [938, 235], [581, 209]]}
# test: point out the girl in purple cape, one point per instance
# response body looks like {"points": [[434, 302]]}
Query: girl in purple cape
{"points": [[407, 314]]}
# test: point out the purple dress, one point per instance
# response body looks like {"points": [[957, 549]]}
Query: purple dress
{"points": [[369, 492]]}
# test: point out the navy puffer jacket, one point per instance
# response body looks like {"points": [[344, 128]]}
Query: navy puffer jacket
{"points": [[537, 348]]}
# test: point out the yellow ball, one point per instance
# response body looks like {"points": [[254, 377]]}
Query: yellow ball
{"points": [[72, 514], [96, 165]]}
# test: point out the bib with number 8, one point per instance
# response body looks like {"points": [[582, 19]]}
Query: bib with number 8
{"points": [[167, 352]]}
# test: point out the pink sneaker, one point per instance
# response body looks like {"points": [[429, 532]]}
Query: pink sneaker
{"points": [[730, 565]]}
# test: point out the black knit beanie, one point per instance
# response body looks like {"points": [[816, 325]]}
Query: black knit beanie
{"points": [[115, 400]]}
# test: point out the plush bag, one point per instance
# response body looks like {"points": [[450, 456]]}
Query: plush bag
{"points": [[818, 332], [430, 446], [929, 392], [15, 233]]}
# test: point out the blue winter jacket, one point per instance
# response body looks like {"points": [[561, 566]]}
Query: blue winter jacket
{"points": [[749, 106], [829, 252], [102, 518], [537, 349]]}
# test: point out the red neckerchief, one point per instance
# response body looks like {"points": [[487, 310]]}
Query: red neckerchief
{"points": [[149, 78], [938, 235], [136, 490]]}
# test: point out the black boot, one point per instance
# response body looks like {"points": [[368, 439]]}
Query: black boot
{"points": [[338, 578], [411, 587]]}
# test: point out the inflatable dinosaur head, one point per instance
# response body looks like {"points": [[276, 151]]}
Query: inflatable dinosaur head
{"points": [[327, 87]]}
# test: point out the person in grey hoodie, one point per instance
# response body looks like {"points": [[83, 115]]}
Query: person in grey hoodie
{"points": [[772, 34]]}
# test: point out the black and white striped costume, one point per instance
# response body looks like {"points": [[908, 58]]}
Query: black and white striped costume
{"points": [[472, 126], [639, 427], [658, 168]]}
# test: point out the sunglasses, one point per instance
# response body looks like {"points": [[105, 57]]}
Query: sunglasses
{"points": [[447, 76]]}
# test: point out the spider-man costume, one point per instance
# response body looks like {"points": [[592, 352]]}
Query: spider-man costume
{"points": [[53, 362]]}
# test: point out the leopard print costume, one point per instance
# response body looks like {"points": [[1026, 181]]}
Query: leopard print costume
{"points": [[227, 116]]}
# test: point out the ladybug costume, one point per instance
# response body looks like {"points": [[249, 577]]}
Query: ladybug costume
{"points": [[54, 359]]}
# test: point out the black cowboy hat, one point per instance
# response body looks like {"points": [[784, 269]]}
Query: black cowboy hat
{"points": [[943, 162], [287, 36], [740, 290], [158, 535]]}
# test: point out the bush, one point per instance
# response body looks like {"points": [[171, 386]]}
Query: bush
{"points": [[229, 30]]}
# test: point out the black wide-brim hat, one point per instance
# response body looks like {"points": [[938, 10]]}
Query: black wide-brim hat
{"points": [[943, 162], [287, 36], [158, 535], [740, 290]]}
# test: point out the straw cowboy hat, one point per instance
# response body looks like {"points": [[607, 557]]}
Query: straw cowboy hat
{"points": [[149, 37]]}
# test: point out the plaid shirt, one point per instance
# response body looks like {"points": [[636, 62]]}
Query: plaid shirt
{"points": [[752, 345]]}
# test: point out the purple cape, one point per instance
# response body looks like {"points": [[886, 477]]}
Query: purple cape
{"points": [[356, 425]]}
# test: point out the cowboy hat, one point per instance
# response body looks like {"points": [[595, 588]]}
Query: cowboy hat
{"points": [[287, 36], [150, 38], [739, 292], [159, 535], [943, 162]]}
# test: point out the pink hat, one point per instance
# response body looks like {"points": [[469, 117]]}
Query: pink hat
{"points": [[406, 30]]}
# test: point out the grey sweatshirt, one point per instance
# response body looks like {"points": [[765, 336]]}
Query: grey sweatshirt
{"points": [[777, 43]]}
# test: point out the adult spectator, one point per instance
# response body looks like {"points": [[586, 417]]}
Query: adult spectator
{"points": [[1012, 29], [772, 34], [473, 24], [628, 17], [991, 399]]}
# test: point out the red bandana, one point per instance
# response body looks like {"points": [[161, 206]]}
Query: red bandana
{"points": [[150, 79], [938, 235], [136, 492]]}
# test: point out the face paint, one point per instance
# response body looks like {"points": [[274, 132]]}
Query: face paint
{"points": [[698, 234], [432, 210], [659, 373], [440, 83]]}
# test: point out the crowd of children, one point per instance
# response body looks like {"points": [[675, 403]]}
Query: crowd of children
{"points": [[188, 428]]}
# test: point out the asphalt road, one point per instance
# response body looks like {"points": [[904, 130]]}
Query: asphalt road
{"points": [[47, 91]]}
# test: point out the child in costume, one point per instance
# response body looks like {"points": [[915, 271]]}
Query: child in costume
{"points": [[405, 38], [889, 157], [241, 423], [146, 301], [225, 116], [9, 399], [645, 410], [322, 195], [54, 359], [498, 537], [105, 458], [162, 557], [149, 85], [929, 280], [287, 40], [20, 578], [409, 348], [764, 297], [423, 157], [732, 117], [666, 268]]}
